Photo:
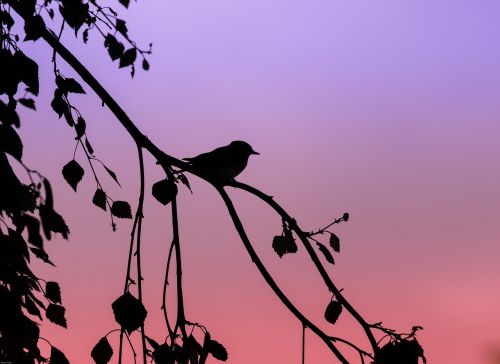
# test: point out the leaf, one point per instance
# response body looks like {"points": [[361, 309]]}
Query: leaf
{"points": [[284, 244], [55, 314], [333, 311], [121, 26], [6, 19], [8, 114], [85, 36], [49, 199], [88, 146], [121, 209], [59, 105], [345, 216], [335, 242], [73, 173], [29, 103], [102, 351], [34, 27], [69, 117], [75, 13], [10, 142], [326, 253], [185, 181], [33, 226], [114, 47], [42, 254], [57, 356], [217, 350], [53, 292], [124, 2], [31, 307], [164, 191], [163, 354], [80, 127], [71, 85], [28, 71], [404, 351], [99, 199], [112, 174], [145, 65], [52, 221], [129, 312], [152, 343], [128, 57]]}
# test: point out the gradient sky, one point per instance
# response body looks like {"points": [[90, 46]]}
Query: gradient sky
{"points": [[386, 109]]}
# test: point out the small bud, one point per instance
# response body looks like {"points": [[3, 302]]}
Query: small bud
{"points": [[345, 216]]}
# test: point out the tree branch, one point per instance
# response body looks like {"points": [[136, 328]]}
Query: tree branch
{"points": [[312, 253], [166, 161], [269, 279]]}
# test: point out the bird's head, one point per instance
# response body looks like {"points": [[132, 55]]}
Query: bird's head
{"points": [[242, 148]]}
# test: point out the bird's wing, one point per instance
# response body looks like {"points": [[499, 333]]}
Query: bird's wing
{"points": [[217, 156]]}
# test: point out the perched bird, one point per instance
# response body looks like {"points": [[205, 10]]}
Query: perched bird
{"points": [[224, 163]]}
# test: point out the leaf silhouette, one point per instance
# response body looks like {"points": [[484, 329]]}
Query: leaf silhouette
{"points": [[163, 354], [52, 222], [102, 351], [10, 142], [333, 311], [335, 242], [404, 351], [53, 292], [42, 254], [121, 209], [164, 191], [328, 256], [55, 313], [29, 103], [153, 343], [284, 244], [72, 85], [57, 356], [80, 127], [31, 307], [129, 312], [112, 174], [121, 26], [28, 71], [73, 173], [128, 57], [115, 48], [217, 350], [88, 146], [145, 65], [99, 199], [124, 2], [59, 105], [34, 28]]}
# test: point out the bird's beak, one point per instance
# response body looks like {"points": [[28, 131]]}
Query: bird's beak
{"points": [[254, 152]]}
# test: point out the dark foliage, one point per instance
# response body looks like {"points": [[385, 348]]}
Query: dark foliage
{"points": [[129, 312]]}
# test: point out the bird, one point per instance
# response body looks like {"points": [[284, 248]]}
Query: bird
{"points": [[222, 164]]}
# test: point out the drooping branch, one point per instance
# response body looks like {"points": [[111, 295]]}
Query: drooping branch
{"points": [[269, 279], [181, 320], [164, 294], [314, 257], [166, 161], [140, 216]]}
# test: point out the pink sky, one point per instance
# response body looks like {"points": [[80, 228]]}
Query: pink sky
{"points": [[388, 110]]}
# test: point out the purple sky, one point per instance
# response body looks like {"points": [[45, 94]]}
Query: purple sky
{"points": [[386, 109]]}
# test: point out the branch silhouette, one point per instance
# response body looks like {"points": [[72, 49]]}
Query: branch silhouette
{"points": [[129, 311]]}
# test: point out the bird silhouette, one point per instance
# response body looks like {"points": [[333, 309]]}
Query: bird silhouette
{"points": [[222, 164]]}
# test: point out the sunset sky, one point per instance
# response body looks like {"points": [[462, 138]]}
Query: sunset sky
{"points": [[386, 109]]}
